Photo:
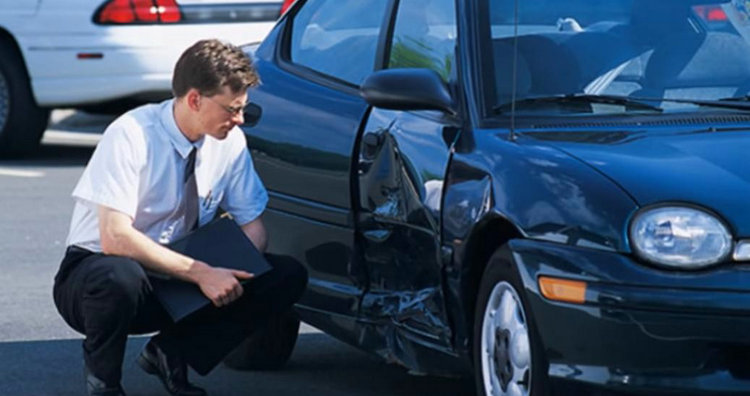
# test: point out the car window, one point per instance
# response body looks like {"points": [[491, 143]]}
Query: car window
{"points": [[425, 36], [338, 38], [668, 52], [556, 43]]}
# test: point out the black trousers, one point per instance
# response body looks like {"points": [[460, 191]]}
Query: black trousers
{"points": [[106, 298]]}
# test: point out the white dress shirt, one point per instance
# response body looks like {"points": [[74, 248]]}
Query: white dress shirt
{"points": [[138, 169]]}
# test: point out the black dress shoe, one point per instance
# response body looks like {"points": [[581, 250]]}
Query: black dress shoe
{"points": [[97, 387], [171, 370]]}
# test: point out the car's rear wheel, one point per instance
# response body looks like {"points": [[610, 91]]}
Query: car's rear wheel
{"points": [[22, 121], [508, 357], [268, 348]]}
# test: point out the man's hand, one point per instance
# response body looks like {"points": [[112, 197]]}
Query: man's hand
{"points": [[220, 285]]}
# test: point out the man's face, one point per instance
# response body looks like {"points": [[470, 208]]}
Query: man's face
{"points": [[222, 112]]}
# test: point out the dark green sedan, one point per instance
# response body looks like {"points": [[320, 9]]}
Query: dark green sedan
{"points": [[538, 193]]}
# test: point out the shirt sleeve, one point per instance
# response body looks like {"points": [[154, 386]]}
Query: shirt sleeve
{"points": [[245, 197], [112, 176]]}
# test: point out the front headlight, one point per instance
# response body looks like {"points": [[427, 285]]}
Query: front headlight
{"points": [[679, 237]]}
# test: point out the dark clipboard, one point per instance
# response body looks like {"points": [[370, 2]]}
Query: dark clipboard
{"points": [[220, 243]]}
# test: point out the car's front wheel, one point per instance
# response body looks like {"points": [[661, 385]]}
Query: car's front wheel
{"points": [[508, 357], [269, 347], [22, 122]]}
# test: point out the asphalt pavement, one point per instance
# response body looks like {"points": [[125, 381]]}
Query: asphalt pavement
{"points": [[40, 355]]}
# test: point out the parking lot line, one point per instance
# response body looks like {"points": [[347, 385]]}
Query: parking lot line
{"points": [[20, 173]]}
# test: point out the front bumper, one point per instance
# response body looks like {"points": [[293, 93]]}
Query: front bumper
{"points": [[640, 328]]}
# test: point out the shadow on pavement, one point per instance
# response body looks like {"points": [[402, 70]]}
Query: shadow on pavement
{"points": [[320, 365], [53, 155]]}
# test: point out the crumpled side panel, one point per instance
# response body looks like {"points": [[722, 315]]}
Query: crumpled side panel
{"points": [[402, 164]]}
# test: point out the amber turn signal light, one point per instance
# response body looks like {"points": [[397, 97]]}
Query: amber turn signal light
{"points": [[563, 289]]}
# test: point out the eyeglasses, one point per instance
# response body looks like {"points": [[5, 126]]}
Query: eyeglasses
{"points": [[233, 110]]}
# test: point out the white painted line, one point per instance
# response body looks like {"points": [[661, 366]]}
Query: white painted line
{"points": [[307, 329], [71, 138], [19, 173]]}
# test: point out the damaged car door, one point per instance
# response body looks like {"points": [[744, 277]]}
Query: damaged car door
{"points": [[402, 160]]}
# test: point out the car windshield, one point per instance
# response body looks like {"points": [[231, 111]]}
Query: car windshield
{"points": [[610, 56]]}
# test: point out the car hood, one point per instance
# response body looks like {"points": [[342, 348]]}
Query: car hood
{"points": [[710, 169]]}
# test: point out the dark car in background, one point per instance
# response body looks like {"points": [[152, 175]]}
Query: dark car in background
{"points": [[538, 192]]}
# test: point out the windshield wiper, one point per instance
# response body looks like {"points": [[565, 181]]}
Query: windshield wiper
{"points": [[745, 98], [736, 103], [580, 98]]}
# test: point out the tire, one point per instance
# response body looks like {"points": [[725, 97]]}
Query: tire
{"points": [[508, 354], [268, 348], [22, 122]]}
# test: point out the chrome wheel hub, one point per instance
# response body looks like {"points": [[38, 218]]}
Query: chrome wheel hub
{"points": [[505, 348]]}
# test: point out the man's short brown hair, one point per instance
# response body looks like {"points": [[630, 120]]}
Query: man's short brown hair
{"points": [[209, 66]]}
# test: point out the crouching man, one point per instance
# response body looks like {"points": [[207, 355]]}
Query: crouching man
{"points": [[160, 171]]}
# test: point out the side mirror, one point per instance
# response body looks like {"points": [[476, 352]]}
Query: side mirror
{"points": [[407, 89], [251, 114]]}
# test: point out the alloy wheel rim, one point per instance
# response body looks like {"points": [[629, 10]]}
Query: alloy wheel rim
{"points": [[4, 101], [505, 345]]}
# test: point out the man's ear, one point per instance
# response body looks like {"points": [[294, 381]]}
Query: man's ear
{"points": [[193, 99]]}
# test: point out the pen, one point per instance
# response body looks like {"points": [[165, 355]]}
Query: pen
{"points": [[207, 200]]}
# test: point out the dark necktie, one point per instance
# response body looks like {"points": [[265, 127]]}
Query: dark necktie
{"points": [[191, 193]]}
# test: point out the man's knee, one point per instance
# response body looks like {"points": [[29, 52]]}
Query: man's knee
{"points": [[292, 275], [281, 287], [298, 280], [117, 280]]}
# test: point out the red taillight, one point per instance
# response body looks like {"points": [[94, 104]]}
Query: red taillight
{"points": [[115, 11], [717, 14], [710, 13], [285, 6], [138, 11], [169, 11], [144, 11]]}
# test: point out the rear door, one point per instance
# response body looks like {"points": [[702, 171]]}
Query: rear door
{"points": [[302, 147]]}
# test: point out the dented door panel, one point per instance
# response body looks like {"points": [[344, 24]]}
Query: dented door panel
{"points": [[402, 162]]}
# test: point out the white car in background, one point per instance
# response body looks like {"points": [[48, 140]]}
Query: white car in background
{"points": [[98, 53]]}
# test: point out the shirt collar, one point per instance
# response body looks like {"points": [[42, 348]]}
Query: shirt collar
{"points": [[178, 140]]}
